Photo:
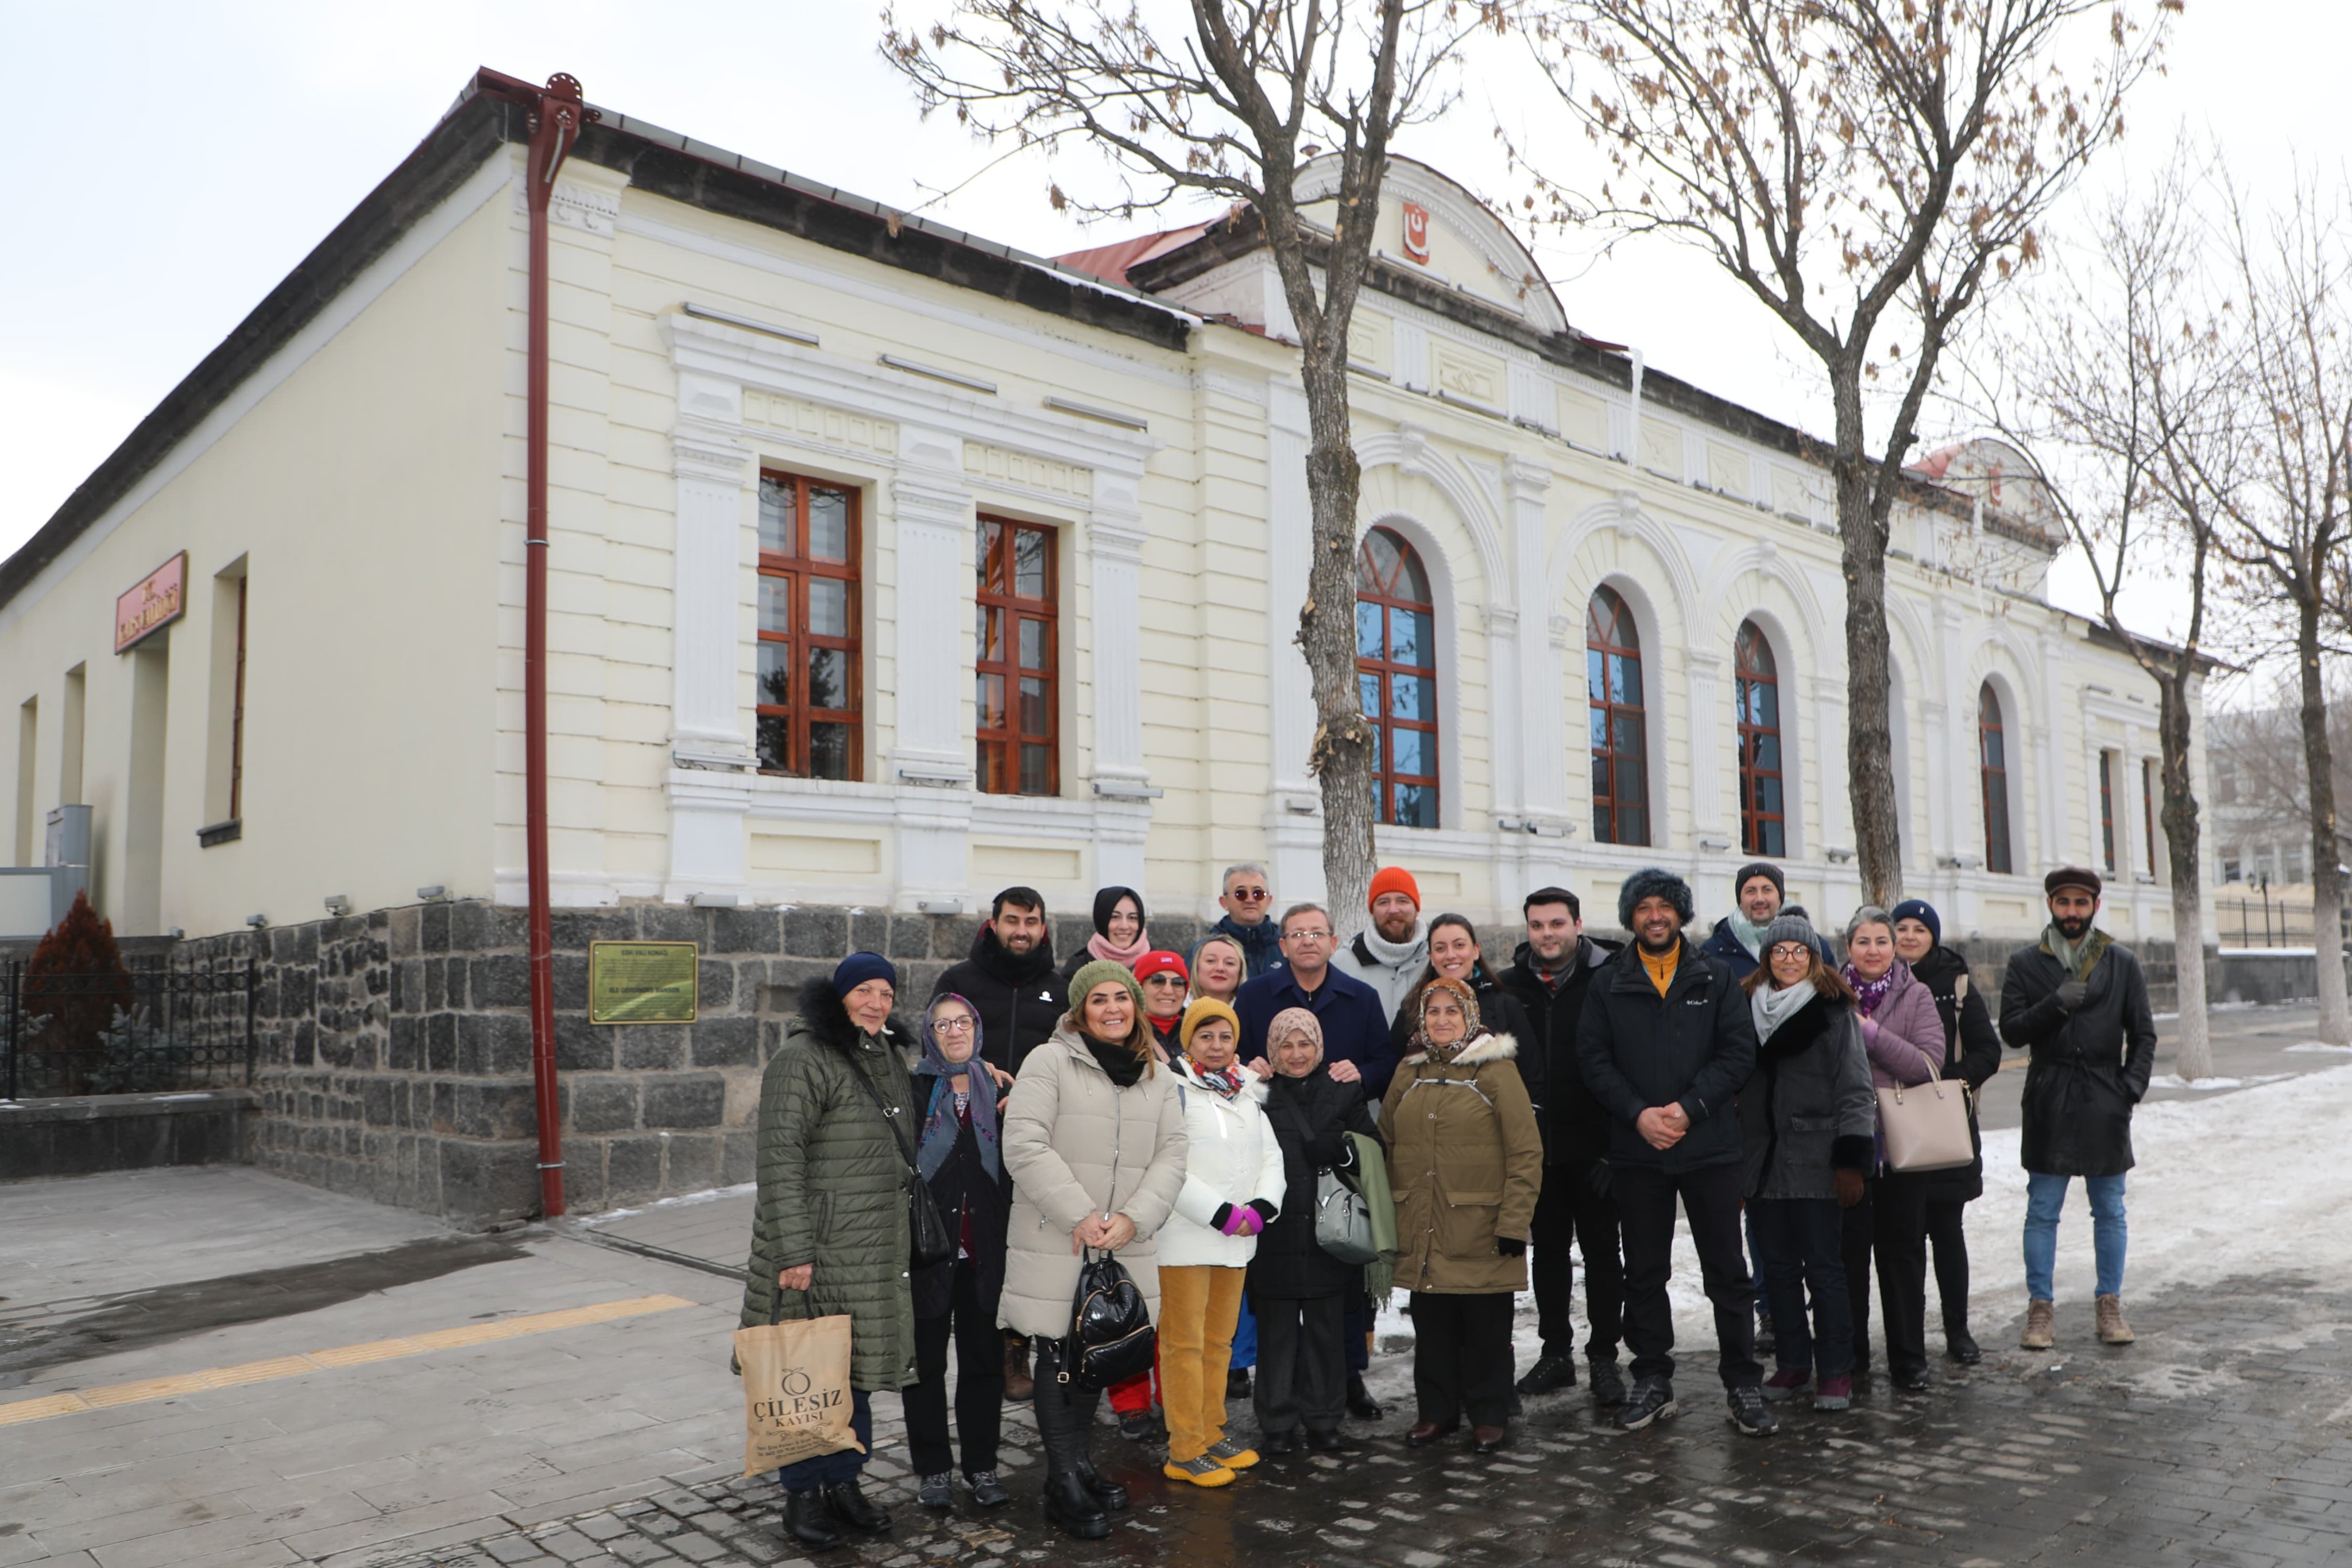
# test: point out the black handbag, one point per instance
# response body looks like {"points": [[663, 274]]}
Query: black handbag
{"points": [[1111, 1337], [928, 1239]]}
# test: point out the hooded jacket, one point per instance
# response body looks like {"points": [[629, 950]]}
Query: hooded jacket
{"points": [[1971, 1053], [1575, 1126], [1309, 1117], [833, 1180], [1231, 1159], [1074, 1143], [1020, 1000], [2088, 1068], [1465, 1164], [1391, 969], [1694, 1047], [1809, 1112], [1499, 1011]]}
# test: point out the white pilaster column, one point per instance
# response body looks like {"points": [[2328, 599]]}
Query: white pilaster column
{"points": [[931, 757], [2051, 789], [1115, 538], [1701, 677], [710, 781], [1543, 743], [1294, 807]]}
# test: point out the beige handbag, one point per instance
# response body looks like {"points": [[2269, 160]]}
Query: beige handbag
{"points": [[1926, 1126]]}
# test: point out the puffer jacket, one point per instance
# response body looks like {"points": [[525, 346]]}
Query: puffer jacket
{"points": [[1971, 1053], [2089, 1067], [1905, 1038], [1693, 1046], [1465, 1164], [832, 1185], [1725, 948], [1499, 1012], [1230, 1161], [1311, 1117], [1576, 1128], [1076, 1143], [1809, 1112], [1019, 997]]}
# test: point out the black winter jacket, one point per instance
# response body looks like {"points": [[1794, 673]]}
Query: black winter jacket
{"points": [[963, 1183], [1725, 948], [1971, 1053], [1261, 943], [1575, 1126], [1309, 1116], [1694, 1047], [1500, 1011], [2088, 1068], [1020, 998]]}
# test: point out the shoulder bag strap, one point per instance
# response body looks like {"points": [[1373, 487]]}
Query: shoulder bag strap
{"points": [[889, 1116]]}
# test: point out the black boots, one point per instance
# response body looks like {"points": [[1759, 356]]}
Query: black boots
{"points": [[1077, 1500], [809, 1521], [849, 1506]]}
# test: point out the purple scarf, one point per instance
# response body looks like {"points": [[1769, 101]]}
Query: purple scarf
{"points": [[1868, 994], [939, 1121]]}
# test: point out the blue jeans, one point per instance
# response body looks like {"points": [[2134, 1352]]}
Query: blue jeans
{"points": [[827, 1469], [2045, 1196], [1799, 1242], [1244, 1337]]}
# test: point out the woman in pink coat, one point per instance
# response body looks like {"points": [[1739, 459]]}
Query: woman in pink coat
{"points": [[1904, 1037]]}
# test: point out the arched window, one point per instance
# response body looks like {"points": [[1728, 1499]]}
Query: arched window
{"points": [[1396, 672], [1992, 766], [1756, 694], [1620, 744]]}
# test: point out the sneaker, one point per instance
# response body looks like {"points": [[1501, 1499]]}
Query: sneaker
{"points": [[2041, 1326], [2113, 1330], [1139, 1426], [1653, 1400], [1749, 1413], [1204, 1471], [1548, 1372], [1233, 1453], [1608, 1384], [1786, 1384], [937, 1491], [1834, 1393], [1962, 1347], [986, 1489], [1237, 1383]]}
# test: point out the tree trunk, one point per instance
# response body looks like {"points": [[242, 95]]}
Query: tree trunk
{"points": [[2327, 883], [2193, 1056], [1869, 744], [1341, 754]]}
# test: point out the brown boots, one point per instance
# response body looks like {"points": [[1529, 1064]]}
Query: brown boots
{"points": [[2041, 1326], [2113, 1330]]}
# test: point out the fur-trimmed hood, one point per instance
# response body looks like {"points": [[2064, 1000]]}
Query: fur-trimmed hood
{"points": [[1486, 1048], [828, 1020]]}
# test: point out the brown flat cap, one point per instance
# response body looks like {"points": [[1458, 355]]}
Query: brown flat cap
{"points": [[2073, 876]]}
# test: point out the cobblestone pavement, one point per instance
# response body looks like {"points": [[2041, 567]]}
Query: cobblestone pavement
{"points": [[2224, 1436]]}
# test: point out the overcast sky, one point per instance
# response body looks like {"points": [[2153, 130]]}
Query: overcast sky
{"points": [[181, 159]]}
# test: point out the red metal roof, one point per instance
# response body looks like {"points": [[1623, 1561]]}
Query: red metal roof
{"points": [[1110, 262]]}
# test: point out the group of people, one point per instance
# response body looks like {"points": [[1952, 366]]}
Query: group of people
{"points": [[1192, 1114]]}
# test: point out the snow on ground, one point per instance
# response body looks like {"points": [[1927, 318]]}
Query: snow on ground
{"points": [[2174, 1081]]}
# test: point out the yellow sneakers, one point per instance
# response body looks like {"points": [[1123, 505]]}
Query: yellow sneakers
{"points": [[1204, 1471], [1232, 1455]]}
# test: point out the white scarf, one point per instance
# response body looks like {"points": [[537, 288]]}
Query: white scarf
{"points": [[1746, 934], [1771, 1009], [1395, 955]]}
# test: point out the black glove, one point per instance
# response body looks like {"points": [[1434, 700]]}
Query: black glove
{"points": [[1510, 1247], [2072, 992]]}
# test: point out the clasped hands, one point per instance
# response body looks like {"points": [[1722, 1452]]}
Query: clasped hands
{"points": [[1663, 1127], [1102, 1235]]}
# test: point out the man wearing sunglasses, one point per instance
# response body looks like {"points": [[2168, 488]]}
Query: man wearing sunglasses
{"points": [[1248, 902]]}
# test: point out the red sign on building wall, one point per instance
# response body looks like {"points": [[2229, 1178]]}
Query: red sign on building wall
{"points": [[158, 600], [1416, 232]]}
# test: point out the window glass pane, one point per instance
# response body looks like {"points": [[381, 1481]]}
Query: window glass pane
{"points": [[1768, 796], [828, 751], [1773, 840], [1036, 769], [985, 766], [776, 673], [1410, 748], [1600, 778], [1992, 747], [1412, 583], [986, 632], [828, 678], [1625, 679], [1376, 563], [1767, 704], [1604, 830], [1416, 805], [1768, 752], [1632, 788], [1596, 684], [1029, 562], [987, 563], [1368, 631], [828, 607], [1033, 707], [775, 604], [1412, 697], [828, 526], [1408, 639], [1368, 688], [1032, 644], [1628, 734], [775, 516], [991, 698], [1632, 825], [775, 742], [1600, 728]]}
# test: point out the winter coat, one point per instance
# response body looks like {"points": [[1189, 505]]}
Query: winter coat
{"points": [[2088, 1068], [1575, 1128], [1076, 1143], [1355, 1028], [1309, 1117], [1694, 1047], [1809, 1112], [963, 1185], [1020, 998], [1724, 948], [1905, 1038], [832, 1181], [1392, 971], [1465, 1164], [1231, 1160], [1971, 1053], [1500, 1013], [1261, 943]]}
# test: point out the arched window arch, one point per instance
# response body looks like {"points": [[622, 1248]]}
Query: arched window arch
{"points": [[1621, 742], [1396, 674], [1755, 697], [1992, 767]]}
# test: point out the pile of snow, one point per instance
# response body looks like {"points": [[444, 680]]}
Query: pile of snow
{"points": [[2174, 1081]]}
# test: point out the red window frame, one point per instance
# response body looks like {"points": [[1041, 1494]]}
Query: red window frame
{"points": [[1396, 674], [236, 717], [2107, 811], [1017, 679], [1620, 732], [1993, 771], [1755, 694], [2148, 787], [798, 735]]}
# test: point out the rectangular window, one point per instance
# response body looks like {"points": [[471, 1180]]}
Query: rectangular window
{"points": [[807, 702], [2107, 811], [225, 731], [1015, 621], [2147, 788], [70, 738], [29, 735], [2231, 869]]}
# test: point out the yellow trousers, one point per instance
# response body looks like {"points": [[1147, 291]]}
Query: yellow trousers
{"points": [[1198, 1309]]}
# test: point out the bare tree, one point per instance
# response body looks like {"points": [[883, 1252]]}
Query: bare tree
{"points": [[2126, 374], [1234, 106], [1868, 171]]}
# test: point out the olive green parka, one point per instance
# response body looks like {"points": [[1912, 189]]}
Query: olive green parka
{"points": [[1465, 1164]]}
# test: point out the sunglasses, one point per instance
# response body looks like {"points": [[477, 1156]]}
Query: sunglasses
{"points": [[1249, 895], [1168, 978]]}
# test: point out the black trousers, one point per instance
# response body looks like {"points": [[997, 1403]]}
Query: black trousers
{"points": [[1888, 1229], [1569, 1211], [980, 1381], [1947, 1227], [1461, 1357], [1066, 1413], [1302, 1364], [1356, 1332], [1645, 1205]]}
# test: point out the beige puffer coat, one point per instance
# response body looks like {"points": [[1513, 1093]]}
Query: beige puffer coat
{"points": [[1465, 1164], [1064, 1124]]}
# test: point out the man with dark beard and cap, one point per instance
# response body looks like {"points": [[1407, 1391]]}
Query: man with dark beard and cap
{"points": [[2078, 1002]]}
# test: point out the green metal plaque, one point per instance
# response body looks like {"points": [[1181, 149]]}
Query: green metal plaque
{"points": [[641, 982]]}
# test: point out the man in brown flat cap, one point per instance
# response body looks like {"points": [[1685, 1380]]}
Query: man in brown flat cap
{"points": [[2079, 1003]]}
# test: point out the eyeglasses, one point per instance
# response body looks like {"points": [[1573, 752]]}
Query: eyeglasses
{"points": [[1792, 950], [1306, 937], [951, 1026], [1249, 895]]}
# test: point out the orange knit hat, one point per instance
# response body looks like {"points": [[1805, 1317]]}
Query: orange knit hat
{"points": [[1393, 878]]}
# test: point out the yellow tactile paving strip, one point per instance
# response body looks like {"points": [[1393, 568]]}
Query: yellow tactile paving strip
{"points": [[148, 1388]]}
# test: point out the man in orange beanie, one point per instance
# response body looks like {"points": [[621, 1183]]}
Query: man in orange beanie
{"points": [[1390, 957]]}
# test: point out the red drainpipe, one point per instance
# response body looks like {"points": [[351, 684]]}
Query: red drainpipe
{"points": [[554, 131]]}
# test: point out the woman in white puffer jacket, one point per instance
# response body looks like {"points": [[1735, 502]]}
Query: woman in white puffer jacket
{"points": [[1232, 1187]]}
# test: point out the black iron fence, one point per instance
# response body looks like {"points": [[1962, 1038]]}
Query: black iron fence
{"points": [[2264, 919], [145, 1031]]}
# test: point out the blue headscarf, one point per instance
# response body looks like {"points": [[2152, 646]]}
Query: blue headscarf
{"points": [[940, 1126]]}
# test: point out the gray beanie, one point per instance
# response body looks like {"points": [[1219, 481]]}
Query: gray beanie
{"points": [[1654, 882], [1787, 928]]}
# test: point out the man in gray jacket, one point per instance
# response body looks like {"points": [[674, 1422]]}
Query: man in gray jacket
{"points": [[1392, 955]]}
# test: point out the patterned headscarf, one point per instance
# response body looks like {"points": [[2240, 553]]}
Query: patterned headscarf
{"points": [[1462, 993], [940, 1126]]}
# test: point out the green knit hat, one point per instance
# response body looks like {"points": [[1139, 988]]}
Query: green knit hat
{"points": [[1094, 974]]}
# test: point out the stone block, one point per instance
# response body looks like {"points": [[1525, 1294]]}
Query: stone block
{"points": [[731, 1041], [494, 1111], [571, 980], [487, 1181], [742, 931], [652, 1047], [738, 1157], [632, 1167], [496, 1045], [693, 1162], [714, 986], [376, 1096], [869, 932], [441, 1042], [670, 923], [697, 1099], [500, 980], [573, 929], [433, 929], [911, 936], [581, 1046], [600, 1104], [402, 926], [477, 925], [816, 933]]}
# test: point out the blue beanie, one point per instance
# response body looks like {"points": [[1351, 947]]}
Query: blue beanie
{"points": [[1920, 910], [859, 967]]}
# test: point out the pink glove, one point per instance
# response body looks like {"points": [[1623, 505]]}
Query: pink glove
{"points": [[1252, 1221], [1239, 1221]]}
